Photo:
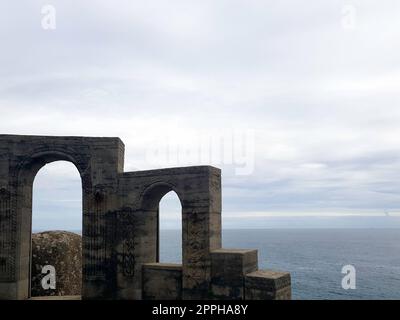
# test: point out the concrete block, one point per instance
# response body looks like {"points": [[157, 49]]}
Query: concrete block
{"points": [[162, 281], [268, 285], [228, 269]]}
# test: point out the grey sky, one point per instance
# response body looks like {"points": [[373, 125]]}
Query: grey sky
{"points": [[322, 99]]}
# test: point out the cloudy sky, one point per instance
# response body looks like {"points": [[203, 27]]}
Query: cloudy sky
{"points": [[297, 102]]}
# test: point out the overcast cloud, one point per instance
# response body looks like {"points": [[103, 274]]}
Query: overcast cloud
{"points": [[321, 98]]}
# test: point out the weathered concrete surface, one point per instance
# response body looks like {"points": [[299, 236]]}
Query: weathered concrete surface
{"points": [[229, 267], [199, 190], [99, 162], [63, 251], [56, 298], [162, 281], [120, 219], [268, 285]]}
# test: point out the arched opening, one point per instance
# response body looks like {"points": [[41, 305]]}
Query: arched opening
{"points": [[56, 231], [162, 273], [170, 229], [165, 228]]}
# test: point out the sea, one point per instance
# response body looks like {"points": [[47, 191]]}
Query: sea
{"points": [[315, 258]]}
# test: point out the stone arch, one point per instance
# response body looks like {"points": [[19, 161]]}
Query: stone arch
{"points": [[170, 229], [99, 162], [118, 223], [149, 205], [25, 173], [198, 189], [152, 194]]}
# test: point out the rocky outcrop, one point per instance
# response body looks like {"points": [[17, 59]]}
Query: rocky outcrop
{"points": [[63, 251]]}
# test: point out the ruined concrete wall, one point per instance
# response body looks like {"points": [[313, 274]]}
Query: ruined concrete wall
{"points": [[120, 225]]}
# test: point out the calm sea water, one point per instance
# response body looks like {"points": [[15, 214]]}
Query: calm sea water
{"points": [[315, 258]]}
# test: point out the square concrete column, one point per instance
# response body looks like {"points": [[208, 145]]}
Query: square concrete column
{"points": [[228, 270], [268, 285]]}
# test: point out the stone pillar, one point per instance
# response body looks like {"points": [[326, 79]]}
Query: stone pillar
{"points": [[201, 231]]}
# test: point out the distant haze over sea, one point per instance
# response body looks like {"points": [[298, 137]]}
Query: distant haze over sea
{"points": [[318, 222], [356, 221]]}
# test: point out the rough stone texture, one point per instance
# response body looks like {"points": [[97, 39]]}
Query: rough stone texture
{"points": [[268, 285], [120, 216], [63, 250], [229, 267], [162, 281]]}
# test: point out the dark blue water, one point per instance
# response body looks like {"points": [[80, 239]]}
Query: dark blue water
{"points": [[315, 258]]}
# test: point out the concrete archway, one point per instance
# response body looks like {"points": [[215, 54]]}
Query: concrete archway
{"points": [[170, 229], [150, 204], [98, 160], [25, 179], [120, 225], [198, 189]]}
